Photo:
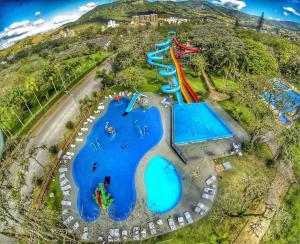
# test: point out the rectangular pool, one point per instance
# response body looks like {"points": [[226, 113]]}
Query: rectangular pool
{"points": [[197, 122]]}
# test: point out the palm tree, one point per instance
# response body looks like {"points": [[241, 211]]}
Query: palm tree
{"points": [[32, 87], [49, 75]]}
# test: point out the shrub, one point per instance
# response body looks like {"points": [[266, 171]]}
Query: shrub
{"points": [[70, 125], [54, 149]]}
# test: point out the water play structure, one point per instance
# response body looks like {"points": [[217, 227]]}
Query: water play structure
{"points": [[132, 102], [102, 197], [177, 82]]}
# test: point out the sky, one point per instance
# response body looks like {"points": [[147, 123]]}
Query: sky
{"points": [[22, 18]]}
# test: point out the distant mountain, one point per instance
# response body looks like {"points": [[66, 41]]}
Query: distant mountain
{"points": [[124, 9]]}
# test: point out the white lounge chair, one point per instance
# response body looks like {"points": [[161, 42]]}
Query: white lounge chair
{"points": [[180, 221], [110, 96], [66, 193], [203, 206], [92, 117], [85, 122], [171, 224], [84, 129], [70, 153], [68, 220], [188, 217], [64, 182], [152, 228], [143, 233], [159, 222], [211, 180], [114, 234], [62, 175], [207, 196], [63, 169], [73, 145], [210, 190], [198, 210], [66, 203], [124, 235], [79, 139], [136, 233], [65, 188], [65, 211], [75, 226], [106, 97], [85, 234]]}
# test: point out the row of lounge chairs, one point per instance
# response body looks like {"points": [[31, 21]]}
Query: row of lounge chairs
{"points": [[209, 193], [139, 233]]}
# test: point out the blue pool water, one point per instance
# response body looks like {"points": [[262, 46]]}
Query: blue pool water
{"points": [[114, 161], [286, 101], [197, 122], [163, 185]]}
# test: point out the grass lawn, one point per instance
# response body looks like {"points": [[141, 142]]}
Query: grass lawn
{"points": [[53, 203], [204, 231], [154, 82], [224, 85]]}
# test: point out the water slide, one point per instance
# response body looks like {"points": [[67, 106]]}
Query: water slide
{"points": [[166, 70], [187, 51], [184, 92], [133, 100]]}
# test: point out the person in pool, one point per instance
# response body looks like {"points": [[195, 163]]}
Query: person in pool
{"points": [[94, 167]]}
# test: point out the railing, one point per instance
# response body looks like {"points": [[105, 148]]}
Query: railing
{"points": [[56, 163]]}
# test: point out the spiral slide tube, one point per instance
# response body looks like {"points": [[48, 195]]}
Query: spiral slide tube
{"points": [[167, 70]]}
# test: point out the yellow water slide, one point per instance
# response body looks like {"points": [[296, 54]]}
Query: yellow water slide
{"points": [[184, 92]]}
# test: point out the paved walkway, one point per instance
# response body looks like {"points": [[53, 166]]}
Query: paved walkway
{"points": [[53, 128]]}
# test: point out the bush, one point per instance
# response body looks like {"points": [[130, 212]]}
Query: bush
{"points": [[54, 149], [70, 125]]}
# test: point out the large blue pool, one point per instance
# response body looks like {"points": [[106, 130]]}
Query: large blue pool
{"points": [[163, 185], [197, 122], [117, 158]]}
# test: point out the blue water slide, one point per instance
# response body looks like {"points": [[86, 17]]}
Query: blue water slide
{"points": [[166, 70], [132, 102]]}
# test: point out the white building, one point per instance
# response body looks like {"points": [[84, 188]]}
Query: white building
{"points": [[175, 20], [112, 24]]}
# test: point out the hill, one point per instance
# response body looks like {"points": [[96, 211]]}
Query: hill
{"points": [[123, 10]]}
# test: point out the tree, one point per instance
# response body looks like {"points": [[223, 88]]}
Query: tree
{"points": [[32, 87], [242, 203], [49, 75], [131, 78], [237, 23], [260, 22]]}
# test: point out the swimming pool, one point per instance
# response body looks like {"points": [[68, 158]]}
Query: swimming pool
{"points": [[116, 158], [286, 101], [197, 122], [163, 185]]}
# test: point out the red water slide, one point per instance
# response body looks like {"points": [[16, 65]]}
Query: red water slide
{"points": [[185, 50]]}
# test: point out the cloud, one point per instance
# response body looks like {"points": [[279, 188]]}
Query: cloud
{"points": [[285, 13], [16, 25], [61, 19], [236, 4], [87, 7], [39, 22], [38, 13], [291, 10], [271, 18]]}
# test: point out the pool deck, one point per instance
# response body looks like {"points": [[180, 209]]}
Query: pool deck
{"points": [[193, 176]]}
